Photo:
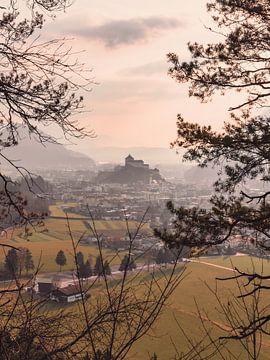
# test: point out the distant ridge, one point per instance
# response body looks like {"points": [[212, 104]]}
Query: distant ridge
{"points": [[152, 155], [33, 155], [204, 176]]}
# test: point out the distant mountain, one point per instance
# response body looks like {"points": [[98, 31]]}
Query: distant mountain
{"points": [[33, 155], [172, 172], [208, 176], [151, 155], [204, 176]]}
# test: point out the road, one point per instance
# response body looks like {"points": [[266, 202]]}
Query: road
{"points": [[210, 264]]}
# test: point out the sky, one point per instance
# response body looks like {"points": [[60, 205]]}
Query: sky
{"points": [[124, 42]]}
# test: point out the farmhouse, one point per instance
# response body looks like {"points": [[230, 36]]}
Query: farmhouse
{"points": [[68, 294], [45, 283]]}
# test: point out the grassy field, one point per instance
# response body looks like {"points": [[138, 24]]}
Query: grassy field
{"points": [[55, 236], [104, 226], [45, 242], [117, 227], [58, 209], [167, 338], [245, 263], [181, 313], [193, 295]]}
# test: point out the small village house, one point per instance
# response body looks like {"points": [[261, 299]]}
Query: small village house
{"points": [[68, 294]]}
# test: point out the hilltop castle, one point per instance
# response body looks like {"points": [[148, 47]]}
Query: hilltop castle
{"points": [[133, 171], [130, 161]]}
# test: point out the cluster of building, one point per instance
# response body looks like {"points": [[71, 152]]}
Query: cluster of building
{"points": [[127, 190]]}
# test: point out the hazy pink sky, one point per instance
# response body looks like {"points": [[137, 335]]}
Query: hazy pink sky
{"points": [[125, 43]]}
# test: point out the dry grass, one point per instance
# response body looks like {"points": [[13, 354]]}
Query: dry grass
{"points": [[46, 242]]}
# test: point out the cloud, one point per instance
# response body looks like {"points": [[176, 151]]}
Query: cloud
{"points": [[134, 91], [153, 68], [126, 32]]}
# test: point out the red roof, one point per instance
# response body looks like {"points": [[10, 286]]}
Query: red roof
{"points": [[70, 290]]}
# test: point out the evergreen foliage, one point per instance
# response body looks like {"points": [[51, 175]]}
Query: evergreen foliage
{"points": [[127, 263], [98, 269], [61, 259], [107, 269], [85, 270], [167, 256], [11, 263], [29, 263], [80, 258], [238, 62]]}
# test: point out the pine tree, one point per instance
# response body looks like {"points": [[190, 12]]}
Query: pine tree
{"points": [[21, 254], [160, 259], [80, 265], [132, 264], [107, 269], [11, 262], [98, 269], [241, 149], [127, 263], [80, 258], [170, 255], [28, 263], [87, 269], [61, 259], [124, 263]]}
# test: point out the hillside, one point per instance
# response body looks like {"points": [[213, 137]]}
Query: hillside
{"points": [[203, 176], [128, 176], [33, 155]]}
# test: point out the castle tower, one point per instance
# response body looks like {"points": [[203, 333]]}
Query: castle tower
{"points": [[129, 159]]}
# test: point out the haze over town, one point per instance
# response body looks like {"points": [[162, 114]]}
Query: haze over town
{"points": [[134, 200]]}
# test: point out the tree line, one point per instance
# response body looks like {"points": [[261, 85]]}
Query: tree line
{"points": [[19, 260]]}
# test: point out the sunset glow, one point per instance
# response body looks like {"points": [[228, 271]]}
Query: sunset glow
{"points": [[125, 44]]}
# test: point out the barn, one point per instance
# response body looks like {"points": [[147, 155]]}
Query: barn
{"points": [[67, 294]]}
